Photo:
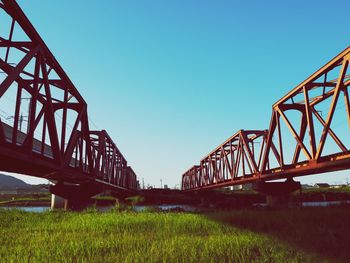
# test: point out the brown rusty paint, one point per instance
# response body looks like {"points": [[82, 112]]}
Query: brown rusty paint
{"points": [[88, 155], [242, 155]]}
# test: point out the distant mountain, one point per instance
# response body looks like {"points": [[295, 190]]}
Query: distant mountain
{"points": [[11, 183]]}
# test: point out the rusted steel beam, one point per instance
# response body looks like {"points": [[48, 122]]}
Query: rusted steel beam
{"points": [[241, 160], [315, 90], [61, 151]]}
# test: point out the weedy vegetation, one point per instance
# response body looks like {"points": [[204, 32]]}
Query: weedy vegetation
{"points": [[307, 235]]}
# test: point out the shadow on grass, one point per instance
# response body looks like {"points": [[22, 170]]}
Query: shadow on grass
{"points": [[321, 231]]}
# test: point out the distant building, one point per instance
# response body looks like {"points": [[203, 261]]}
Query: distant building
{"points": [[338, 186], [8, 192], [36, 189], [321, 185], [242, 187], [237, 187], [306, 186]]}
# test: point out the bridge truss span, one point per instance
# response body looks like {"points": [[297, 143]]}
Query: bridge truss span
{"points": [[236, 160], [44, 124], [308, 134]]}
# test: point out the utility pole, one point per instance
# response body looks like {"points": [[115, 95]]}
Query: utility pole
{"points": [[29, 112], [21, 117], [20, 121], [161, 183]]}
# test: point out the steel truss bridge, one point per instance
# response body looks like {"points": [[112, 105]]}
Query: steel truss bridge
{"points": [[308, 134], [44, 124], [45, 132]]}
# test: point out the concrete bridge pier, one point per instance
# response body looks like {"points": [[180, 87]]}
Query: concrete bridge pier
{"points": [[73, 196], [278, 193], [58, 202]]}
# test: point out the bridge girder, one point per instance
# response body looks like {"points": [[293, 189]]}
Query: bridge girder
{"points": [[50, 137], [296, 124]]}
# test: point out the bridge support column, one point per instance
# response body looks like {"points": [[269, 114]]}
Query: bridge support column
{"points": [[73, 197], [277, 193], [58, 202]]}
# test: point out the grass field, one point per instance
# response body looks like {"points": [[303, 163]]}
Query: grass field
{"points": [[308, 235]]}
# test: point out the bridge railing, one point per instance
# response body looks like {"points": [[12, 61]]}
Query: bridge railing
{"points": [[308, 134]]}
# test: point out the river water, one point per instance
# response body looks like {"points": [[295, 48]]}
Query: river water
{"points": [[187, 208], [137, 208], [37, 209]]}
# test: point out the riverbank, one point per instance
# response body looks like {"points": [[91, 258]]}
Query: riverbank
{"points": [[219, 199], [25, 203], [306, 235], [228, 199], [24, 200]]}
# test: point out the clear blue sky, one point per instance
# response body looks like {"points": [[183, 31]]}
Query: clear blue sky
{"points": [[170, 80]]}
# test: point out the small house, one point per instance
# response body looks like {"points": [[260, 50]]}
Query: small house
{"points": [[321, 185]]}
